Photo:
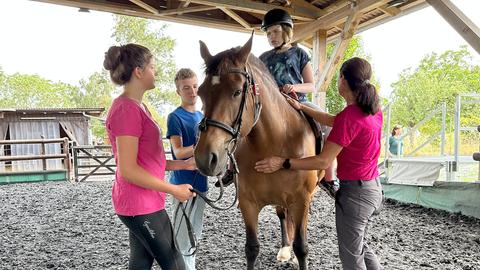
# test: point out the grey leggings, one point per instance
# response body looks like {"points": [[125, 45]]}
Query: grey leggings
{"points": [[151, 237]]}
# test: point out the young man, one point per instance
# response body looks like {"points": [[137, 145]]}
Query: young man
{"points": [[182, 132]]}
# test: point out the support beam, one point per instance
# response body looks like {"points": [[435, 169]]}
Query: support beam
{"points": [[236, 17], [185, 4], [392, 11], [145, 6], [257, 7], [305, 4], [334, 18], [179, 11], [459, 21], [348, 31], [319, 59]]}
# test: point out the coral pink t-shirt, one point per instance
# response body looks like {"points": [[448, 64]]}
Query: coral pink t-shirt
{"points": [[360, 136], [127, 118]]}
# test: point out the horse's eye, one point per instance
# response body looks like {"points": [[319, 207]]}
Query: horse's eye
{"points": [[237, 93]]}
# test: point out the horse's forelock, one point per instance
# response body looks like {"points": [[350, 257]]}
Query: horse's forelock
{"points": [[217, 65]]}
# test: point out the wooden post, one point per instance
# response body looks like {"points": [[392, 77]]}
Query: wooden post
{"points": [[66, 160], [44, 161], [319, 59]]}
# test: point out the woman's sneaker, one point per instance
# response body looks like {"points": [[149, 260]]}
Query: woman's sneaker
{"points": [[330, 187]]}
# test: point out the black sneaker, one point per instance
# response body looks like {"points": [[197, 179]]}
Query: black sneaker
{"points": [[227, 179], [330, 187]]}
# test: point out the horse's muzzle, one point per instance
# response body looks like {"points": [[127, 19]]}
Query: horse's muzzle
{"points": [[209, 163]]}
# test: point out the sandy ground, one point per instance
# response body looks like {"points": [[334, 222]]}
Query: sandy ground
{"points": [[58, 225]]}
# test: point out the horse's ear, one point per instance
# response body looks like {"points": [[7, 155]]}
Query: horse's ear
{"points": [[245, 50], [204, 52]]}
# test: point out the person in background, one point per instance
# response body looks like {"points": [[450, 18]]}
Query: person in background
{"points": [[182, 131], [395, 143], [355, 140], [139, 190]]}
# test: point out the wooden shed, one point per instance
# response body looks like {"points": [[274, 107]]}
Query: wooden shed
{"points": [[42, 123]]}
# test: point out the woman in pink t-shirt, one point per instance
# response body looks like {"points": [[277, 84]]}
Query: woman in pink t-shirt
{"points": [[139, 190], [355, 142]]}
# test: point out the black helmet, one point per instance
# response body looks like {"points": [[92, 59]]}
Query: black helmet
{"points": [[276, 16]]}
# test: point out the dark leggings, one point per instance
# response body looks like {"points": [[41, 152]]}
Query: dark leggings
{"points": [[151, 237]]}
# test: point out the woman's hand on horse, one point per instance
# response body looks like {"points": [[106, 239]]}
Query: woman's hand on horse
{"points": [[295, 104], [190, 164], [269, 165], [183, 192]]}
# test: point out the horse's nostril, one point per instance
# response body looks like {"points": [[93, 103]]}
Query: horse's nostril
{"points": [[213, 161]]}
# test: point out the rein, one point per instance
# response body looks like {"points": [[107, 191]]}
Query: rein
{"points": [[233, 130]]}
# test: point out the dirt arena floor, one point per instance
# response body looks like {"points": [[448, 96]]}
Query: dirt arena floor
{"points": [[58, 225]]}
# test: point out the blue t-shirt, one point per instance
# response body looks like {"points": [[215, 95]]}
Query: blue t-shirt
{"points": [[287, 67], [395, 146], [185, 124]]}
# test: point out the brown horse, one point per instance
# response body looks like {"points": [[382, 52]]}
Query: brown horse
{"points": [[244, 111]]}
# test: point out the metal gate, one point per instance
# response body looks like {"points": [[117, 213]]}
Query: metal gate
{"points": [[93, 161]]}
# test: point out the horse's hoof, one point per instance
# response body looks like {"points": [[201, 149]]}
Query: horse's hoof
{"points": [[284, 254]]}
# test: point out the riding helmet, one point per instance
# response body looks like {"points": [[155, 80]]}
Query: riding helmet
{"points": [[276, 16]]}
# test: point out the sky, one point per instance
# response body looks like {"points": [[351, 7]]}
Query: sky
{"points": [[61, 44]]}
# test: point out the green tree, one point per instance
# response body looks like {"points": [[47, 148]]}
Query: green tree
{"points": [[137, 30], [32, 91], [335, 103], [438, 78]]}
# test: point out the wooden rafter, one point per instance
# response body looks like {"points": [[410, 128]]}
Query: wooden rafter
{"points": [[305, 4], [236, 17], [252, 6], [392, 11], [459, 21], [334, 18], [185, 4], [340, 47], [145, 6], [179, 11]]}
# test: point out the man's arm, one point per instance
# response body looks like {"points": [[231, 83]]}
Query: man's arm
{"points": [[180, 151]]}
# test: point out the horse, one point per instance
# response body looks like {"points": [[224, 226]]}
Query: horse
{"points": [[248, 119]]}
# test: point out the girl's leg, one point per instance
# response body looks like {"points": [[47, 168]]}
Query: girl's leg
{"points": [[155, 233]]}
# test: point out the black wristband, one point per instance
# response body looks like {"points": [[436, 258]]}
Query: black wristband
{"points": [[286, 164]]}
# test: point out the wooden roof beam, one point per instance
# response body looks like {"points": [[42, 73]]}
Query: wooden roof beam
{"points": [[305, 4], [299, 13], [341, 45], [334, 18], [145, 6], [392, 11], [236, 17], [459, 21], [185, 4], [178, 11]]}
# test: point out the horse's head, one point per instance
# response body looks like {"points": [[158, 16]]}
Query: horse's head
{"points": [[230, 105]]}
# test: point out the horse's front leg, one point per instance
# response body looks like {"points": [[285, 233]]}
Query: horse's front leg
{"points": [[250, 217], [299, 212], [286, 228]]}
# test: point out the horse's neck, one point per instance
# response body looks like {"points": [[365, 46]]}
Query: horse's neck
{"points": [[278, 123]]}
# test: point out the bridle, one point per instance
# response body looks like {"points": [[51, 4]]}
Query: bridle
{"points": [[234, 130]]}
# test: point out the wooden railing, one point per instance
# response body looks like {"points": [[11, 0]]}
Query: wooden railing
{"points": [[43, 156]]}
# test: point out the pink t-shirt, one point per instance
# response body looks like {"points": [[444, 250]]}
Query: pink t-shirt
{"points": [[127, 118], [359, 135]]}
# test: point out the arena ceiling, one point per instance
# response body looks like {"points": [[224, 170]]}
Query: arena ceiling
{"points": [[246, 15]]}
